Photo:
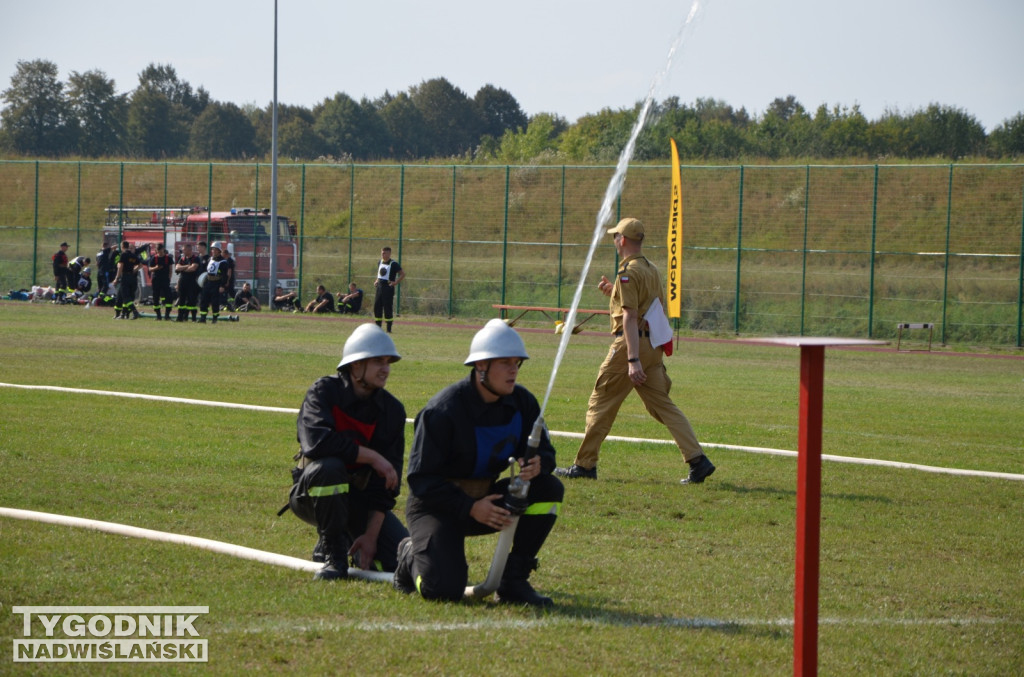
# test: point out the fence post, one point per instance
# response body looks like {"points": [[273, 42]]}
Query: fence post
{"points": [[945, 265], [209, 209], [1020, 281], [35, 231], [256, 201], [351, 213], [120, 211], [163, 214], [803, 274], [401, 219], [739, 257], [561, 239], [302, 232], [871, 258], [78, 211], [451, 254], [504, 247]]}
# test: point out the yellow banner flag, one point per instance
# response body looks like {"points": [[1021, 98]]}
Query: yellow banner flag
{"points": [[673, 293]]}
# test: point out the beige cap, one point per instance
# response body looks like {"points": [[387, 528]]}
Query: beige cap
{"points": [[631, 228]]}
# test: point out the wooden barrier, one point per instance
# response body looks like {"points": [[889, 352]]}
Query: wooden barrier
{"points": [[912, 325]]}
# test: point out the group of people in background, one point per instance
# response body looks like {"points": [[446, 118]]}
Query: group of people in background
{"points": [[205, 284]]}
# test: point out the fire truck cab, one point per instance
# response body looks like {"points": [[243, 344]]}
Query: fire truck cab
{"points": [[247, 232]]}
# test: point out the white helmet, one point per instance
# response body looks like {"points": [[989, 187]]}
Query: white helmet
{"points": [[494, 341], [217, 244], [368, 341]]}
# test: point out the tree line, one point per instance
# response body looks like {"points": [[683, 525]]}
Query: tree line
{"points": [[165, 118]]}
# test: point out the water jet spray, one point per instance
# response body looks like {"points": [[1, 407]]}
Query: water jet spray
{"points": [[497, 568]]}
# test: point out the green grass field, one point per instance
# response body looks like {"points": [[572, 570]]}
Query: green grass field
{"points": [[921, 573]]}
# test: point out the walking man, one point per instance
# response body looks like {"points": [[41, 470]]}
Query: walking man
{"points": [[633, 363]]}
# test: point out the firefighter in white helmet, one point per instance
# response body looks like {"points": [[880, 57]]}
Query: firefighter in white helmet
{"points": [[213, 282], [462, 442], [351, 434]]}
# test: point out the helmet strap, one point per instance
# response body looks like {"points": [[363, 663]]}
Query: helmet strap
{"points": [[482, 377], [360, 380]]}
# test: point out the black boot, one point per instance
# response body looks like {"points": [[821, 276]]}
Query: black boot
{"points": [[515, 587], [335, 558], [403, 581]]}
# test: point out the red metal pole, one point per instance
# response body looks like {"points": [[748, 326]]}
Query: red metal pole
{"points": [[808, 511]]}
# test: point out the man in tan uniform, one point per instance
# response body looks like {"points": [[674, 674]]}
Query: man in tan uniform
{"points": [[633, 363]]}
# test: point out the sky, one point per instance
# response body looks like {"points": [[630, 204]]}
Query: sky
{"points": [[568, 57]]}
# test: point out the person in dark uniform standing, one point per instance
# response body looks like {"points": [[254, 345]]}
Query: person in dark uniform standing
{"points": [[351, 434], [213, 287], [60, 272], [389, 276], [633, 363], [462, 441], [229, 279], [188, 272], [160, 274], [104, 268], [127, 277]]}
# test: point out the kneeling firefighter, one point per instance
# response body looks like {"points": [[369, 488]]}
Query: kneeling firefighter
{"points": [[463, 440], [351, 434]]}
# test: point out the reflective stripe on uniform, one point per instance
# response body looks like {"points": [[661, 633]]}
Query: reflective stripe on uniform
{"points": [[328, 491], [543, 509]]}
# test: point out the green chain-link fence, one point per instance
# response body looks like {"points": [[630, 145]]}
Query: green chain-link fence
{"points": [[823, 250]]}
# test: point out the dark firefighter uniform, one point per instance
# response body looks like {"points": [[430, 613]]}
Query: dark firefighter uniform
{"points": [[461, 445], [334, 492], [213, 287], [60, 273], [188, 285], [160, 273], [128, 264]]}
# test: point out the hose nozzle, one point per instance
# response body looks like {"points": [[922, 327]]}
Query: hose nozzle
{"points": [[533, 442]]}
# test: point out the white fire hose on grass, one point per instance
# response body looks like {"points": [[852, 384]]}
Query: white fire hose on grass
{"points": [[239, 551]]}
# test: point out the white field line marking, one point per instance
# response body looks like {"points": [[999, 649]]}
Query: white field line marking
{"points": [[555, 433], [239, 551], [618, 620], [639, 620]]}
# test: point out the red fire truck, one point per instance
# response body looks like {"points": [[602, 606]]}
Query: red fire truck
{"points": [[247, 233]]}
